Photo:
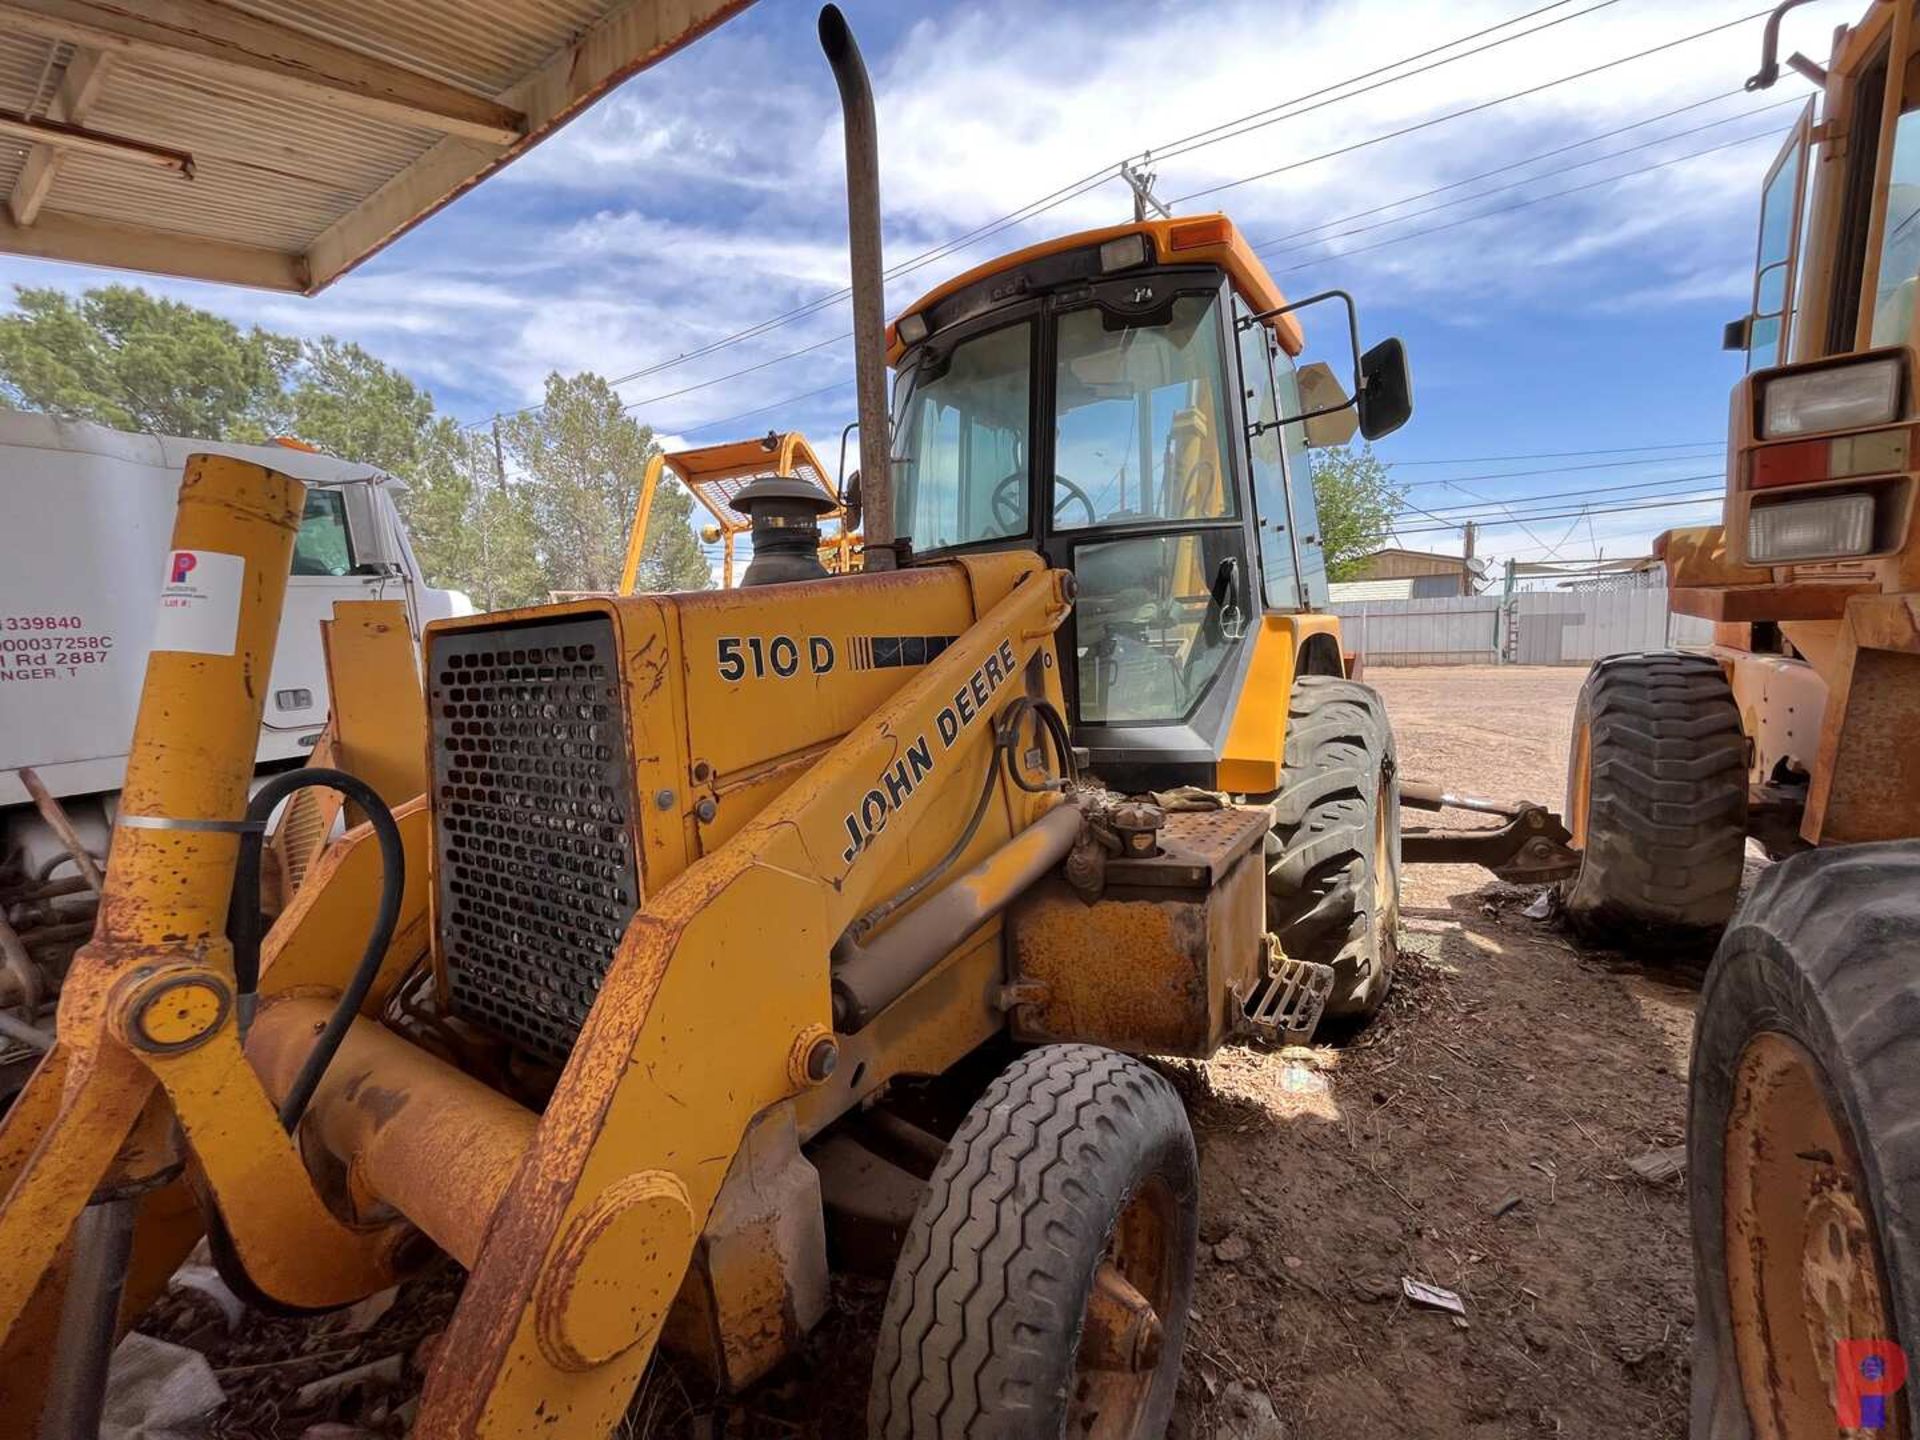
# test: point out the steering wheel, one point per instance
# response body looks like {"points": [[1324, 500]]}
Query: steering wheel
{"points": [[1006, 500]]}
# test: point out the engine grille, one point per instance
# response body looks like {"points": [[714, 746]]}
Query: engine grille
{"points": [[533, 809]]}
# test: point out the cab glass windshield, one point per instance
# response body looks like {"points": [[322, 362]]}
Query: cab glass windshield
{"points": [[1140, 419], [961, 442]]}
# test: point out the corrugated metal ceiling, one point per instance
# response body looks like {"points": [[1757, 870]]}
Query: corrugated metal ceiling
{"points": [[317, 130]]}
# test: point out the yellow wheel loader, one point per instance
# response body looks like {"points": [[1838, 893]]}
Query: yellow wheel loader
{"points": [[632, 996], [1795, 730]]}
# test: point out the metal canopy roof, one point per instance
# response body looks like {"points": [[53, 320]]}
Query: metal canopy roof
{"points": [[278, 143]]}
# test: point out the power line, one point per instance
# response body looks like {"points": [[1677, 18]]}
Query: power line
{"points": [[1503, 169], [1093, 180], [1473, 109], [1096, 178], [1201, 139], [1572, 494], [1269, 246], [1536, 200], [1561, 455], [1564, 514], [1553, 470], [780, 404]]}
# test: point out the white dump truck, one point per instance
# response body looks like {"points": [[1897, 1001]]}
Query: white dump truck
{"points": [[86, 514]]}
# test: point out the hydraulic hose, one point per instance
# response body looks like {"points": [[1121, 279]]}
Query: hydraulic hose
{"points": [[245, 927]]}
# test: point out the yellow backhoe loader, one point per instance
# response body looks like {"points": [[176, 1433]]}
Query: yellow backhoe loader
{"points": [[722, 935], [1796, 730]]}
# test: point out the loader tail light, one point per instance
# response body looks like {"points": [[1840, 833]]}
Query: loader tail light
{"points": [[1832, 527], [1836, 397], [1879, 452]]}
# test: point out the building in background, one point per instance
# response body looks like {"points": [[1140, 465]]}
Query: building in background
{"points": [[1395, 574]]}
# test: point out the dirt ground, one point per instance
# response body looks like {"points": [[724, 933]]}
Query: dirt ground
{"points": [[1475, 1137]]}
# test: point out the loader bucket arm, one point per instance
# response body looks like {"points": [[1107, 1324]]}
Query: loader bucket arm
{"points": [[715, 997]]}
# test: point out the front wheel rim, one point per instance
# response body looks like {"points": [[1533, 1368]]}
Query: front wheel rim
{"points": [[1803, 1263], [1122, 1348]]}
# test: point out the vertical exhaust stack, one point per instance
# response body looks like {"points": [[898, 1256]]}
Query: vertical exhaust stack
{"points": [[869, 296]]}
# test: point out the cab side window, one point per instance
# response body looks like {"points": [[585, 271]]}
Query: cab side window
{"points": [[1273, 520], [322, 546]]}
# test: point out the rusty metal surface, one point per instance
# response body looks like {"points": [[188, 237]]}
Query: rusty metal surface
{"points": [[758, 1281], [1153, 975], [55, 815], [1803, 1270], [671, 1067], [1534, 847], [1197, 848], [535, 821], [294, 184], [407, 1130]]}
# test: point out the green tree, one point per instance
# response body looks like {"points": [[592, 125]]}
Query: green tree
{"points": [[469, 530], [121, 357], [359, 408], [1357, 502], [580, 460]]}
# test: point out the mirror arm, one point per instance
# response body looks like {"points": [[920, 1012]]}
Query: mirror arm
{"points": [[1353, 340]]}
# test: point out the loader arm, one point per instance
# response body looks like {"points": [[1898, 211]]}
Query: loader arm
{"points": [[714, 1000]]}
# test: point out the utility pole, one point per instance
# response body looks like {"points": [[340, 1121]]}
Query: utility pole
{"points": [[1141, 183], [1466, 563], [486, 515]]}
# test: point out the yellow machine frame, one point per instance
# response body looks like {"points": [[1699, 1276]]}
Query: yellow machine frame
{"points": [[717, 473], [1837, 710]]}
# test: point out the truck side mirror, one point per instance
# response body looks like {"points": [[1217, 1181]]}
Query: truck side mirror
{"points": [[1386, 389], [1738, 334], [1320, 391]]}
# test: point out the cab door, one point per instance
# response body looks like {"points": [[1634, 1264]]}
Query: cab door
{"points": [[1776, 262]]}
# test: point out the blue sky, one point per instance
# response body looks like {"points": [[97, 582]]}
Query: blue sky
{"points": [[705, 196]]}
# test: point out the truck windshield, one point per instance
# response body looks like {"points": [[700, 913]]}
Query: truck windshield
{"points": [[1140, 418], [960, 442]]}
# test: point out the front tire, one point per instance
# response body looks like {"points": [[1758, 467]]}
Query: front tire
{"points": [[1067, 1199], [1803, 1144], [1333, 877], [1656, 800]]}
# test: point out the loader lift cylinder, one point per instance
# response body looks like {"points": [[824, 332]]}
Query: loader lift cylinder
{"points": [[869, 289]]}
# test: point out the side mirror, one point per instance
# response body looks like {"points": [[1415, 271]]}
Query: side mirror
{"points": [[1386, 389], [850, 503], [1321, 391], [1737, 334]]}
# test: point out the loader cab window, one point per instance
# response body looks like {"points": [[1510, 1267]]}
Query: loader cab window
{"points": [[1137, 410], [962, 441], [1777, 260], [1899, 273], [1141, 425], [321, 546]]}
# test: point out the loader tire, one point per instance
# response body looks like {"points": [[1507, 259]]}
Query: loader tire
{"points": [[1803, 1146], [1656, 801], [1333, 858], [1076, 1160]]}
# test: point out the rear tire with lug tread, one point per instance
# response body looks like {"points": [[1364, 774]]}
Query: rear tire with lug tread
{"points": [[1803, 1142], [1333, 872], [1073, 1179], [1656, 800]]}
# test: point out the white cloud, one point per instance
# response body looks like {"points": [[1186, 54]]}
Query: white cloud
{"points": [[691, 205]]}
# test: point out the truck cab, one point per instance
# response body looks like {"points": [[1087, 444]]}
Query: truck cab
{"points": [[1131, 403], [86, 513]]}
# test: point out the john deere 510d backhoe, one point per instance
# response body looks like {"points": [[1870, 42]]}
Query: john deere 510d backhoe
{"points": [[740, 931]]}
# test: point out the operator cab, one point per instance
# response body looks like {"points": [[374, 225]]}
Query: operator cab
{"points": [[1128, 403]]}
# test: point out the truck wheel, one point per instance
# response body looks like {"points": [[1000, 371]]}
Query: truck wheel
{"points": [[1656, 799], [1803, 1149], [1333, 873], [1044, 1284]]}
